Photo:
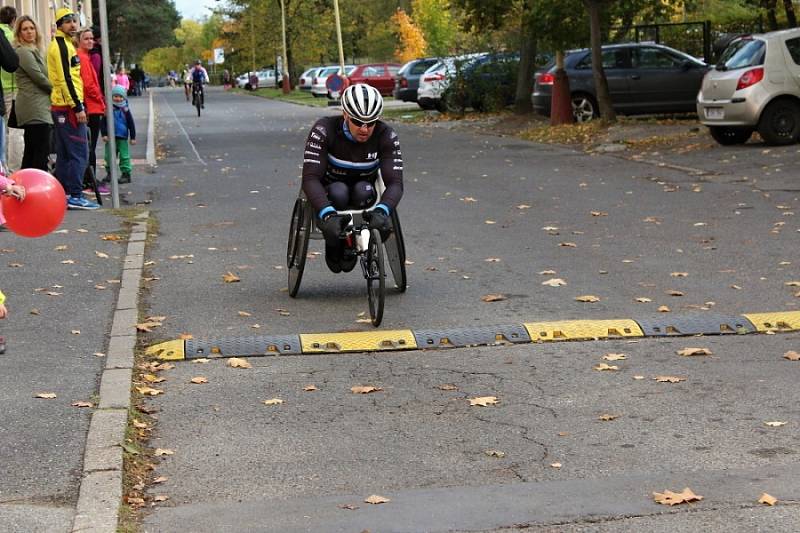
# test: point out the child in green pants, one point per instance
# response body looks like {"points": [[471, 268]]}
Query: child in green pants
{"points": [[124, 128]]}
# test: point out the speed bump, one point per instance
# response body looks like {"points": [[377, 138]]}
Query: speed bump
{"points": [[786, 321], [358, 341], [168, 351], [570, 330]]}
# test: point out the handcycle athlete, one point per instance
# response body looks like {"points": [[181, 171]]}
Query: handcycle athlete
{"points": [[343, 158]]}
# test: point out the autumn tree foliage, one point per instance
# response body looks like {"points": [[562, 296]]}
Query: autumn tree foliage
{"points": [[411, 41]]}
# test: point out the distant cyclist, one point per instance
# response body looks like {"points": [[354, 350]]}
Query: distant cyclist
{"points": [[199, 77], [341, 161]]}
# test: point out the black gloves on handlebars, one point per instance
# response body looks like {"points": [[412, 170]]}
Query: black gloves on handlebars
{"points": [[333, 225], [379, 219]]}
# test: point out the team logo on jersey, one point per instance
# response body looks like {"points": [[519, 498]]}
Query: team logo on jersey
{"points": [[372, 155]]}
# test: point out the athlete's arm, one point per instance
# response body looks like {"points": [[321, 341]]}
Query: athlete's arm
{"points": [[391, 158], [315, 162]]}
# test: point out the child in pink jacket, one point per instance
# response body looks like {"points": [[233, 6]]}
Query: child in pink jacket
{"points": [[9, 188]]}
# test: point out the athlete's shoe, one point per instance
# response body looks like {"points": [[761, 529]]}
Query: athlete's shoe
{"points": [[79, 202], [333, 258], [349, 260]]}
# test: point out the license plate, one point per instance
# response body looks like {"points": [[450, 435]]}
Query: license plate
{"points": [[715, 113]]}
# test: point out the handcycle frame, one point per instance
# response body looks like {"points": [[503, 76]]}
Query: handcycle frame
{"points": [[367, 244], [198, 95]]}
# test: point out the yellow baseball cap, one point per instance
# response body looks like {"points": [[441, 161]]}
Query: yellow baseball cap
{"points": [[64, 12]]}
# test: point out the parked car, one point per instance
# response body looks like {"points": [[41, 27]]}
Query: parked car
{"points": [[318, 88], [488, 82], [379, 75], [307, 78], [266, 78], [754, 86], [642, 78], [435, 80], [407, 81]]}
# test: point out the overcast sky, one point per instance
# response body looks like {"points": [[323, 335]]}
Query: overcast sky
{"points": [[194, 9]]}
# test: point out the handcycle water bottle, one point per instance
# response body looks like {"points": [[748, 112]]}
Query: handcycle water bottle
{"points": [[362, 240]]}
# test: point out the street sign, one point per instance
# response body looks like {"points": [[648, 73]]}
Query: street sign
{"points": [[335, 84], [219, 56]]}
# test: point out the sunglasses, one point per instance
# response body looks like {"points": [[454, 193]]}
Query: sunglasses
{"points": [[360, 123]]}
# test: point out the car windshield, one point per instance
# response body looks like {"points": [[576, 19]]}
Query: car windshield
{"points": [[742, 53]]}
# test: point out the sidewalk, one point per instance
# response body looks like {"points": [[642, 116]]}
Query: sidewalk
{"points": [[62, 291]]}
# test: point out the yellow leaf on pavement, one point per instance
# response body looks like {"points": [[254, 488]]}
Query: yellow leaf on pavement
{"points": [[548, 273], [163, 451], [688, 352], [555, 282], [230, 277], [679, 274], [607, 418], [310, 388], [603, 366], [615, 357], [236, 362], [375, 499], [568, 245], [199, 380], [364, 389], [775, 424], [101, 255], [663, 309], [244, 313], [161, 498], [273, 401], [495, 453], [589, 298], [82, 404], [46, 395], [674, 498], [493, 298], [767, 499], [669, 379], [643, 300], [484, 401], [792, 356], [674, 293], [148, 391], [447, 386]]}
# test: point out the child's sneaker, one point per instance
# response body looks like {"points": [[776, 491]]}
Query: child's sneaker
{"points": [[125, 178], [104, 189], [79, 202]]}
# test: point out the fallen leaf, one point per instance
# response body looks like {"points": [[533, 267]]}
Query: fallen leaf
{"points": [[674, 293], [100, 287], [82, 404], [736, 287], [587, 298], [46, 395], [163, 451], [663, 309], [133, 500], [674, 498], [768, 499], [76, 332], [112, 237], [555, 465], [34, 311], [548, 272], [160, 479], [643, 300], [688, 352], [148, 391], [186, 256], [603, 366], [200, 361], [492, 259], [775, 424], [273, 401], [230, 277], [348, 506], [67, 262], [199, 380], [791, 355], [483, 401], [568, 244], [147, 326], [554, 282], [493, 298], [101, 255], [607, 418], [615, 357], [598, 213], [669, 379], [495, 453], [236, 362], [447, 386], [364, 389], [81, 230], [185, 336], [150, 378], [161, 498], [490, 222], [53, 293], [244, 313], [138, 424], [375, 499], [310, 388], [638, 377], [523, 206], [792, 283], [679, 274]]}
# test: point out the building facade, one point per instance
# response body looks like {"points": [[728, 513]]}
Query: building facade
{"points": [[43, 12]]}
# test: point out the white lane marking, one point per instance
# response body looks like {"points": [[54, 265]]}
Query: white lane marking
{"points": [[186, 134]]}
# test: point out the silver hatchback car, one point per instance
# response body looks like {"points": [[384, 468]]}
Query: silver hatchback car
{"points": [[754, 86]]}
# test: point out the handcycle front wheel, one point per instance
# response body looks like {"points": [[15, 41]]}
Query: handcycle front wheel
{"points": [[376, 277], [396, 253], [297, 248]]}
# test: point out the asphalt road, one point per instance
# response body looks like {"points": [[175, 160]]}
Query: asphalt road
{"points": [[616, 229]]}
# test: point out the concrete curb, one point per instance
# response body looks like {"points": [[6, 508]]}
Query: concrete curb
{"points": [[100, 493]]}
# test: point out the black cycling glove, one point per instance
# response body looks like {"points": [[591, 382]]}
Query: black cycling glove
{"points": [[379, 218], [333, 225]]}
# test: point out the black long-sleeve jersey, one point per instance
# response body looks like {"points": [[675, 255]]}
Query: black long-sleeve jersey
{"points": [[332, 155]]}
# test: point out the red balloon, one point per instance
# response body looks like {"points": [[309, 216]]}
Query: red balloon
{"points": [[43, 208]]}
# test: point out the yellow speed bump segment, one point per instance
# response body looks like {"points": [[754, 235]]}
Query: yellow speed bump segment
{"points": [[358, 341], [786, 321], [167, 351], [571, 330]]}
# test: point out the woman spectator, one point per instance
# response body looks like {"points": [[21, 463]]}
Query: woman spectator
{"points": [[32, 106], [92, 98], [122, 80]]}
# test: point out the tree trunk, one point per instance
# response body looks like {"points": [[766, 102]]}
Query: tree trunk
{"points": [[600, 82], [527, 66], [772, 18], [791, 18]]}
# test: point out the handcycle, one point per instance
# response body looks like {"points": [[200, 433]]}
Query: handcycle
{"points": [[366, 243]]}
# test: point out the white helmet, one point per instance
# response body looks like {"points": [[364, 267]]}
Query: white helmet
{"points": [[362, 102]]}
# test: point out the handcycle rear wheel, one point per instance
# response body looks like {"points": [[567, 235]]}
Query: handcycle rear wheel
{"points": [[376, 276], [396, 253], [297, 248]]}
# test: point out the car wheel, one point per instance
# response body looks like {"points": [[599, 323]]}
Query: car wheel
{"points": [[584, 107], [727, 136], [780, 122]]}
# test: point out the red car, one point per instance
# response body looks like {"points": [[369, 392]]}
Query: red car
{"points": [[379, 75]]}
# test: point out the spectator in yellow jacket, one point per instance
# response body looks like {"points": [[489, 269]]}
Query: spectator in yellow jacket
{"points": [[69, 115]]}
